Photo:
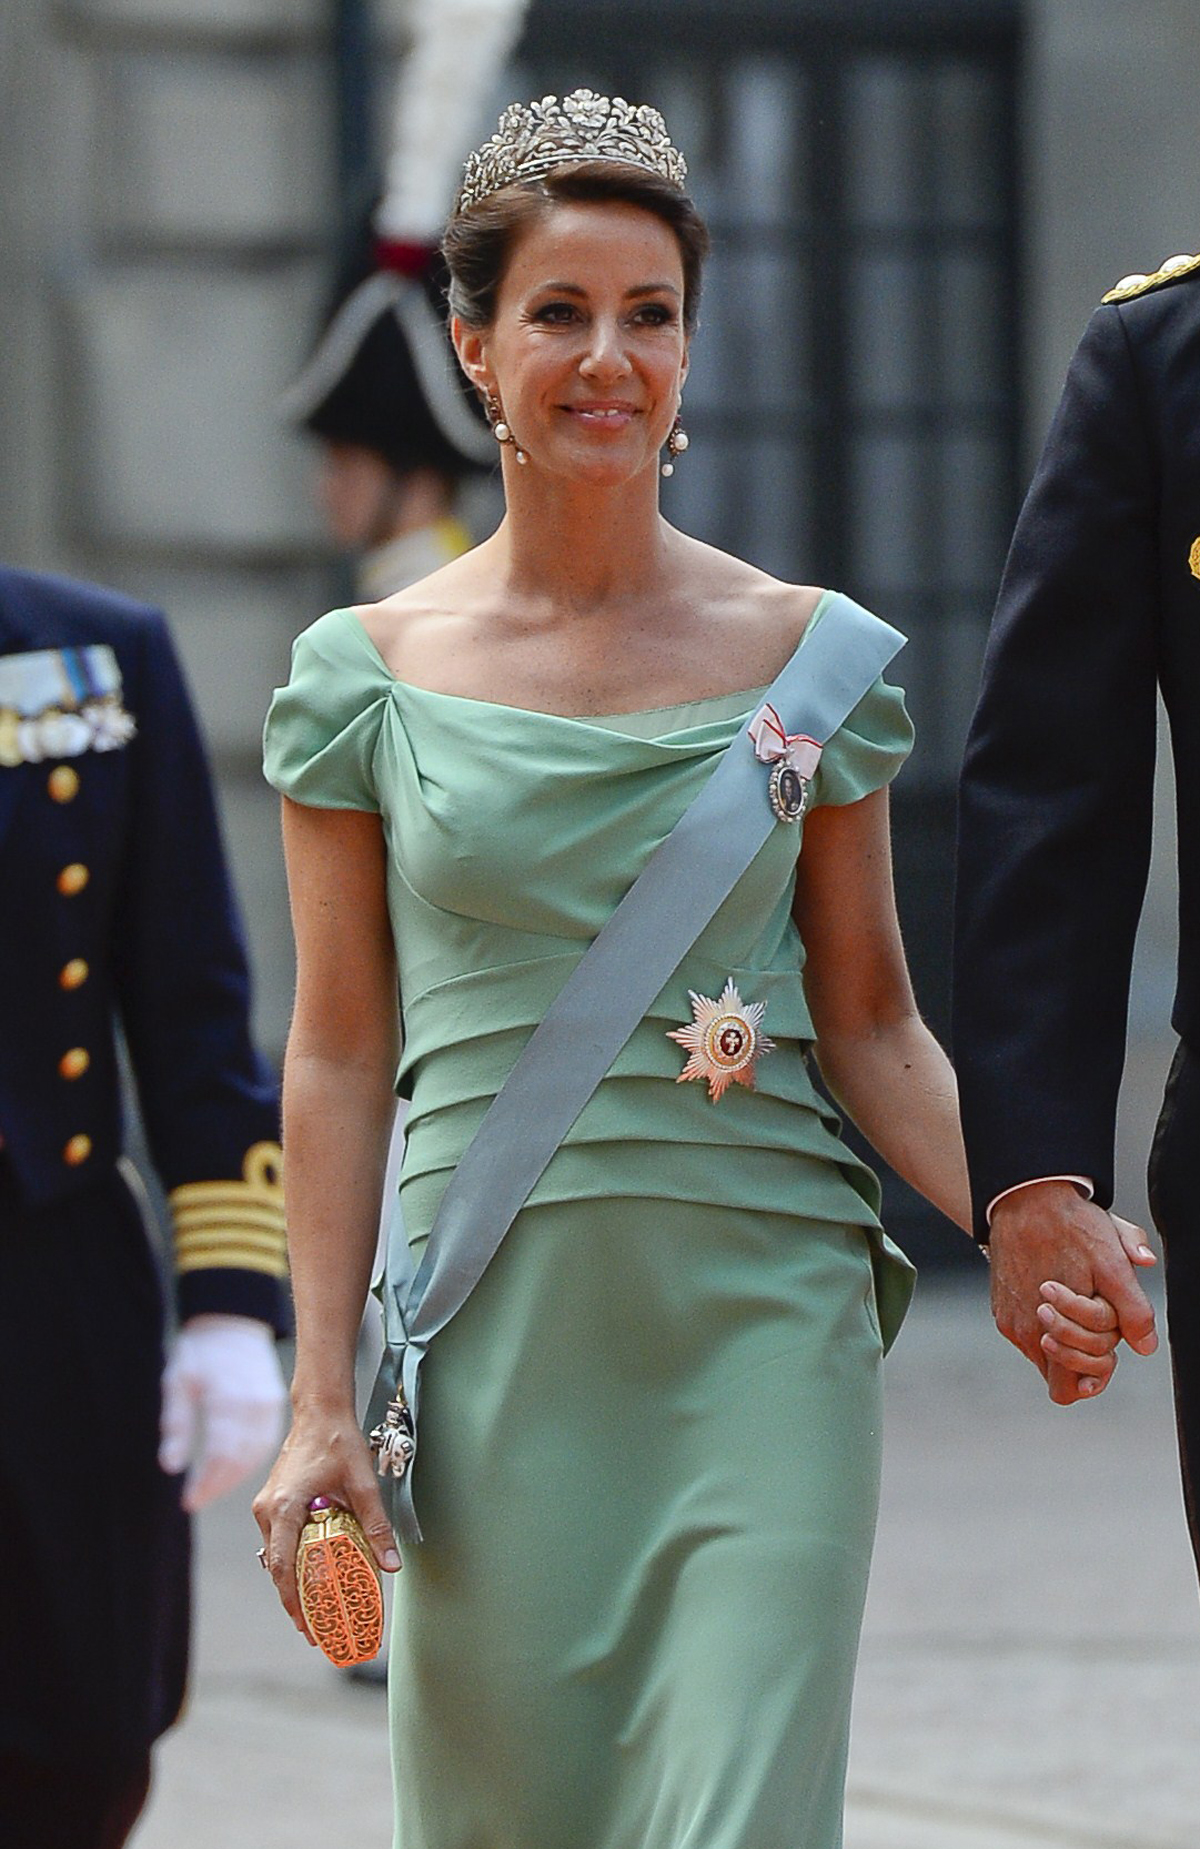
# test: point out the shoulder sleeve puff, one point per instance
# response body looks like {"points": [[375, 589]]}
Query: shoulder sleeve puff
{"points": [[867, 750], [323, 727]]}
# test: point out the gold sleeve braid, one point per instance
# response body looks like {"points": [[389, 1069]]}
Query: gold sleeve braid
{"points": [[235, 1225]]}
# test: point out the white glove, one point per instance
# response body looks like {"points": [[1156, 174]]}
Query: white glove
{"points": [[222, 1404]]}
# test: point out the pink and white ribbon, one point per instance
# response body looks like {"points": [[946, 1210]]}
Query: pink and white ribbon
{"points": [[771, 743]]}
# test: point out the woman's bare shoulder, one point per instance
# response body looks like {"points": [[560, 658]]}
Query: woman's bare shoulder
{"points": [[790, 607], [745, 594], [398, 624]]}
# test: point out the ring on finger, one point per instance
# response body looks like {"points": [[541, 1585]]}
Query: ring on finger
{"points": [[261, 1557]]}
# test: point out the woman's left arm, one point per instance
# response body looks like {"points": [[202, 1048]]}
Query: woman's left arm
{"points": [[880, 1060], [876, 1055]]}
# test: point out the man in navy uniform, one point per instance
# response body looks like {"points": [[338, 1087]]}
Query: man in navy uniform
{"points": [[1099, 609], [116, 908]]}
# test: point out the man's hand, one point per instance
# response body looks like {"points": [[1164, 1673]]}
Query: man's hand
{"points": [[1047, 1233], [222, 1404]]}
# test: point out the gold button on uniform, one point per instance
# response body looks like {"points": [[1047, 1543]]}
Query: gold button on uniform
{"points": [[77, 1150], [73, 879], [63, 783], [74, 974], [74, 1062]]}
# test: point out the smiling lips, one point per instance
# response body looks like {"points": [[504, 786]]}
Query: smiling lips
{"points": [[602, 415]]}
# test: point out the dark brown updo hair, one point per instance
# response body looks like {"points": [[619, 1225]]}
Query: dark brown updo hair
{"points": [[479, 243]]}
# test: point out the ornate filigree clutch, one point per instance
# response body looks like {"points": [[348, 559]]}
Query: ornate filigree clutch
{"points": [[341, 1591]]}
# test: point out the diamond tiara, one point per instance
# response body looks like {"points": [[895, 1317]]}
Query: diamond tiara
{"points": [[534, 138]]}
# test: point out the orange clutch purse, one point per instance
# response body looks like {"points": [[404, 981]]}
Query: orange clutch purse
{"points": [[341, 1592]]}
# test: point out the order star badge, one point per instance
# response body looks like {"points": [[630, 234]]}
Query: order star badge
{"points": [[724, 1040]]}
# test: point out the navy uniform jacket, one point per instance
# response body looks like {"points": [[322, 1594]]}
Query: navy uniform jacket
{"points": [[115, 906], [1100, 605]]}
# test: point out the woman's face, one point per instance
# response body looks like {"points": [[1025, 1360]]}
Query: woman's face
{"points": [[587, 353]]}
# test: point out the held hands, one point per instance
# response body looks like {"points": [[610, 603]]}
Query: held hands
{"points": [[324, 1454], [1064, 1288], [222, 1404]]}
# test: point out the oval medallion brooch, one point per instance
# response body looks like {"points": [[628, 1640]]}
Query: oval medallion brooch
{"points": [[787, 792], [793, 758], [724, 1040]]}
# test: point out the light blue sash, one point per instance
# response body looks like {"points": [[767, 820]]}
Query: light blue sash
{"points": [[685, 881]]}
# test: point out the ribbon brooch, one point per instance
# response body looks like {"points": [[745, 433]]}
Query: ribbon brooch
{"points": [[793, 758]]}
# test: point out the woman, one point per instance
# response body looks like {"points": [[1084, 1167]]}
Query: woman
{"points": [[649, 1459]]}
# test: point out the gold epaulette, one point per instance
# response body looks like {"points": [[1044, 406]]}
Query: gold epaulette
{"points": [[1137, 284], [235, 1225]]}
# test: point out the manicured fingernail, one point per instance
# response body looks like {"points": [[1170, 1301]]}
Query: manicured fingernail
{"points": [[391, 1560], [1045, 1314], [1089, 1387], [1145, 1252]]}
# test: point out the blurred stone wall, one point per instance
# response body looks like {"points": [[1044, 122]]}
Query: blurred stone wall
{"points": [[164, 227], [1111, 129]]}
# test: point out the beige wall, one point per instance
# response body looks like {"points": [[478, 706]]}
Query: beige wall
{"points": [[167, 191], [1112, 151]]}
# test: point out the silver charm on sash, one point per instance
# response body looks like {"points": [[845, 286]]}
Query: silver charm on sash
{"points": [[393, 1439]]}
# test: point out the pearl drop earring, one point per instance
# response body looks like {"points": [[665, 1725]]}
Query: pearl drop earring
{"points": [[677, 442], [500, 430]]}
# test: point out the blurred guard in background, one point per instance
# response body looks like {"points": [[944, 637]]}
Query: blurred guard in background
{"points": [[399, 426], [395, 445], [116, 909]]}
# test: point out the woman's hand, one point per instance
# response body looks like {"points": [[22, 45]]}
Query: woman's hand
{"points": [[1081, 1333], [322, 1455]]}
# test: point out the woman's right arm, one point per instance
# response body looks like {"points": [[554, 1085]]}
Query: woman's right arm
{"points": [[338, 1106]]}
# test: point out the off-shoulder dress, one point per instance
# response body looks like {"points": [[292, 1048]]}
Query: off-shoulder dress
{"points": [[650, 1440]]}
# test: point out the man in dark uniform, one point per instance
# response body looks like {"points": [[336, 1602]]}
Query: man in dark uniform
{"points": [[116, 908], [1099, 608]]}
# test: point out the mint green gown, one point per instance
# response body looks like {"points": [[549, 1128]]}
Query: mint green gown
{"points": [[650, 1440]]}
